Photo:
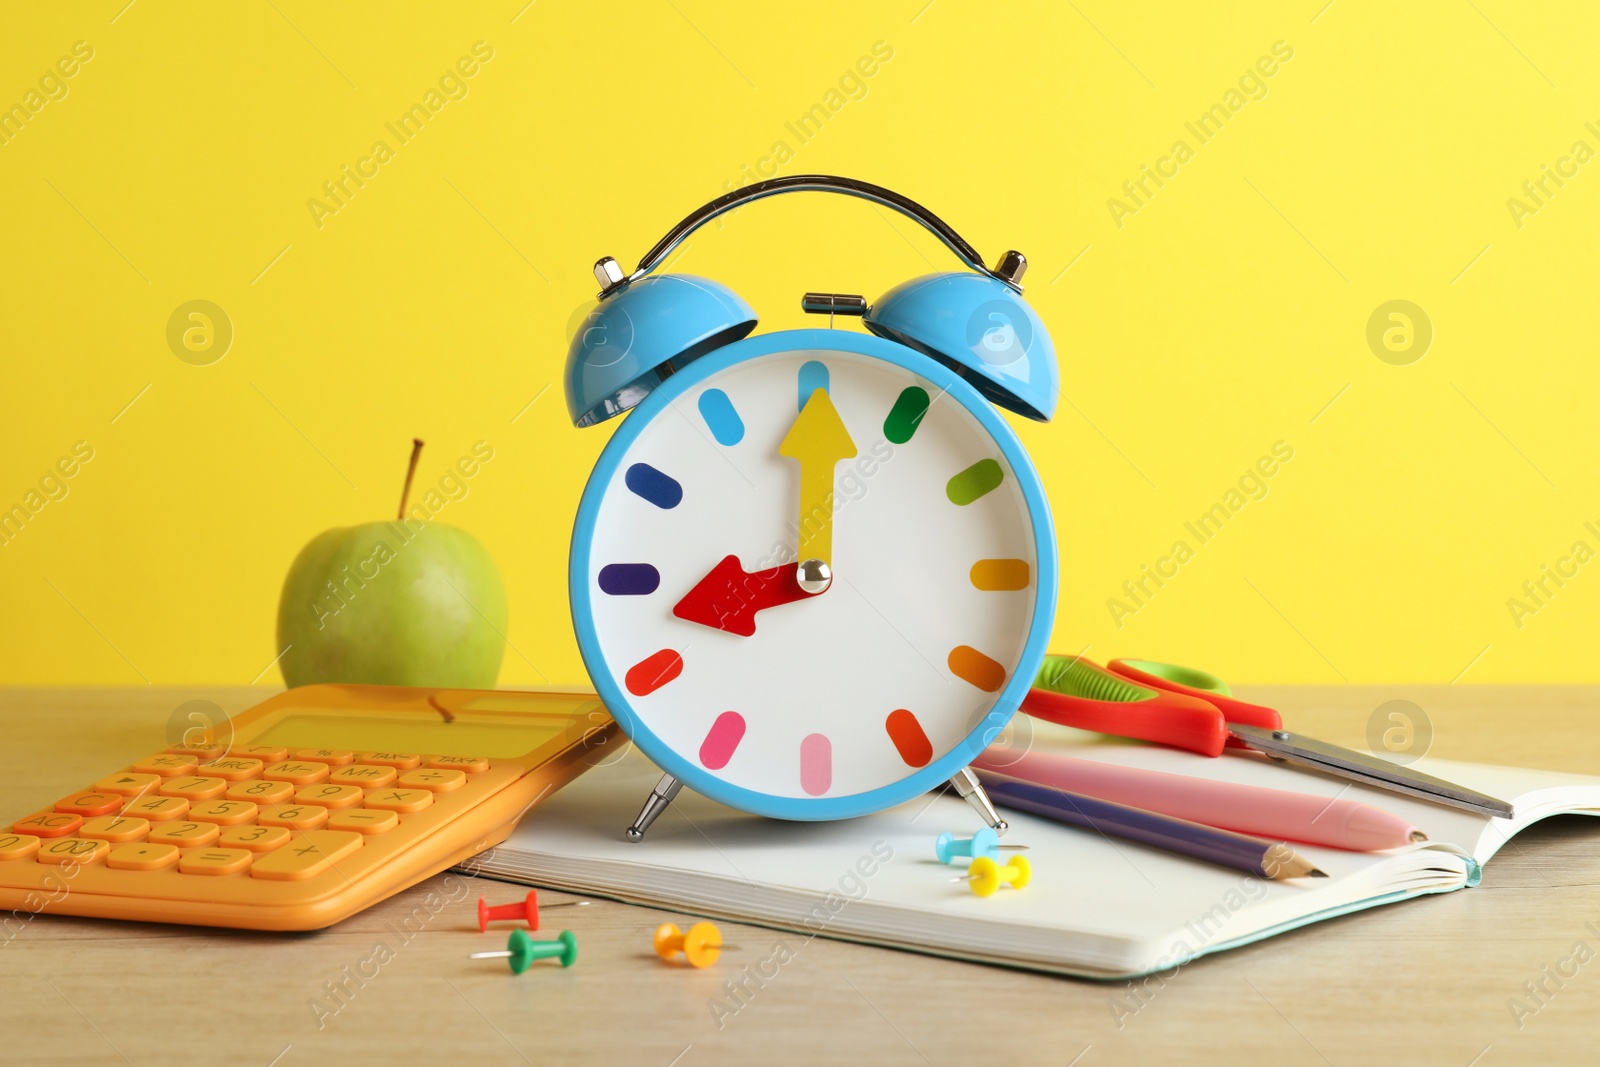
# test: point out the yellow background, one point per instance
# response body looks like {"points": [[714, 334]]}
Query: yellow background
{"points": [[1227, 314]]}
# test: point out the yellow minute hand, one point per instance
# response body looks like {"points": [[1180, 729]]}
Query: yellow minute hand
{"points": [[818, 440]]}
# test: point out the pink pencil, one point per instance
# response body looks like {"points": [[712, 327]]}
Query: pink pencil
{"points": [[1246, 809]]}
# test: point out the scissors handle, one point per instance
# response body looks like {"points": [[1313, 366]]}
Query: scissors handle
{"points": [[1072, 691], [1189, 682]]}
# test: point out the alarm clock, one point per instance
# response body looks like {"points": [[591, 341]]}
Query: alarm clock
{"points": [[813, 572]]}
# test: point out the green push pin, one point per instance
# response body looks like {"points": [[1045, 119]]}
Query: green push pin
{"points": [[521, 950]]}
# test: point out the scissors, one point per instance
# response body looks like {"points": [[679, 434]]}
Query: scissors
{"points": [[1193, 710]]}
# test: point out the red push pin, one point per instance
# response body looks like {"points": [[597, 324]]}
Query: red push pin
{"points": [[523, 909]]}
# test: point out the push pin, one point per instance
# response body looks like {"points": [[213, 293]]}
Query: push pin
{"points": [[983, 843], [521, 950], [985, 875], [700, 946], [523, 909]]}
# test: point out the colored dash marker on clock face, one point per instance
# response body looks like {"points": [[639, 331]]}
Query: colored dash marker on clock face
{"points": [[629, 579], [973, 667], [981, 478], [647, 483], [995, 575], [722, 740], [722, 419], [653, 672], [816, 764], [906, 415], [910, 740]]}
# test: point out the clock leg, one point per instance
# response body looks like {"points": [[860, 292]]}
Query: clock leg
{"points": [[657, 802], [970, 789]]}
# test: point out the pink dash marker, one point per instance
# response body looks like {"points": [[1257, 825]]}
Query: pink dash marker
{"points": [[816, 764], [721, 740]]}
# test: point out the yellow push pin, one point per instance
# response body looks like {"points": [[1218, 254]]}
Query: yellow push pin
{"points": [[701, 945], [985, 875]]}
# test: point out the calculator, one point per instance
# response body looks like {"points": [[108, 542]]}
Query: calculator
{"points": [[304, 809]]}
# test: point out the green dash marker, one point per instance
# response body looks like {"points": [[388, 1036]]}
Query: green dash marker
{"points": [[906, 415], [982, 477]]}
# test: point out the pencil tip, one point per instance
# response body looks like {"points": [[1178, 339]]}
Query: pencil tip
{"points": [[1418, 835], [1314, 873]]}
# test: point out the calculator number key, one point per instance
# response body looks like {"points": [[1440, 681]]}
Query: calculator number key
{"points": [[223, 812], [116, 829], [293, 816], [329, 795], [158, 809], [184, 834], [261, 791], [71, 850], [254, 838], [194, 787], [17, 846]]}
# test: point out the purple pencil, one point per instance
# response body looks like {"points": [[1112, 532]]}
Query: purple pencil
{"points": [[1266, 859]]}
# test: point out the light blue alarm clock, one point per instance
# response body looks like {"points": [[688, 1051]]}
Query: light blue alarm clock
{"points": [[813, 572]]}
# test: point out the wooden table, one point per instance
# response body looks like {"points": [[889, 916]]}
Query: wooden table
{"points": [[1429, 981]]}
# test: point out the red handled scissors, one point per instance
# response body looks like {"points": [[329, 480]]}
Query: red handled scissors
{"points": [[1193, 710]]}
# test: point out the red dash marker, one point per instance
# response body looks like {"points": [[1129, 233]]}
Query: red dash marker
{"points": [[908, 737], [653, 672], [729, 597]]}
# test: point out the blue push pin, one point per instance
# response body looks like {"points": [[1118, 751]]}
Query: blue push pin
{"points": [[983, 843]]}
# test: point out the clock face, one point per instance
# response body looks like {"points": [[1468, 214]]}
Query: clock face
{"points": [[939, 563]]}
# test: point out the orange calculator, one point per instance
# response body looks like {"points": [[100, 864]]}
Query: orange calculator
{"points": [[304, 809]]}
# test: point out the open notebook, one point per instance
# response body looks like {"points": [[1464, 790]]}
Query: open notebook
{"points": [[1097, 907]]}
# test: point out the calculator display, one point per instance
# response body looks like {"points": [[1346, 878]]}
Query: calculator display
{"points": [[501, 739]]}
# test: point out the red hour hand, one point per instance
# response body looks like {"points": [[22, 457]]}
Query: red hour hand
{"points": [[729, 597]]}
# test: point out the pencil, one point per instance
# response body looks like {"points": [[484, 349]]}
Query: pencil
{"points": [[1265, 859]]}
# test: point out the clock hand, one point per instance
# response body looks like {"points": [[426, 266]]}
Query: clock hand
{"points": [[818, 440], [729, 597]]}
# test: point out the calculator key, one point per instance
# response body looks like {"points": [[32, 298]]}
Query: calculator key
{"points": [[434, 780], [166, 764], [158, 809], [65, 850], [202, 751], [91, 804], [141, 857], [400, 761], [48, 824], [223, 812], [364, 820], [309, 854], [333, 757], [233, 768], [194, 787], [401, 800], [17, 846], [254, 838], [264, 753], [184, 834], [364, 776], [129, 784], [116, 829], [293, 816], [214, 860], [329, 795], [469, 764], [298, 772], [261, 791]]}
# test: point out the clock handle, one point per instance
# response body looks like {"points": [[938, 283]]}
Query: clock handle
{"points": [[1008, 270], [654, 805], [970, 789]]}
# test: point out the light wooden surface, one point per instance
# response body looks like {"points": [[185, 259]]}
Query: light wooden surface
{"points": [[1429, 981]]}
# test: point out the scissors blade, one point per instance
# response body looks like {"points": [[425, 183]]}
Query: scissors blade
{"points": [[1368, 770]]}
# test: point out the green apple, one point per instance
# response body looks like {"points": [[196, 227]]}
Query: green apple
{"points": [[393, 603]]}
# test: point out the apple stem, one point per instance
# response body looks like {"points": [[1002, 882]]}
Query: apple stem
{"points": [[411, 472]]}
